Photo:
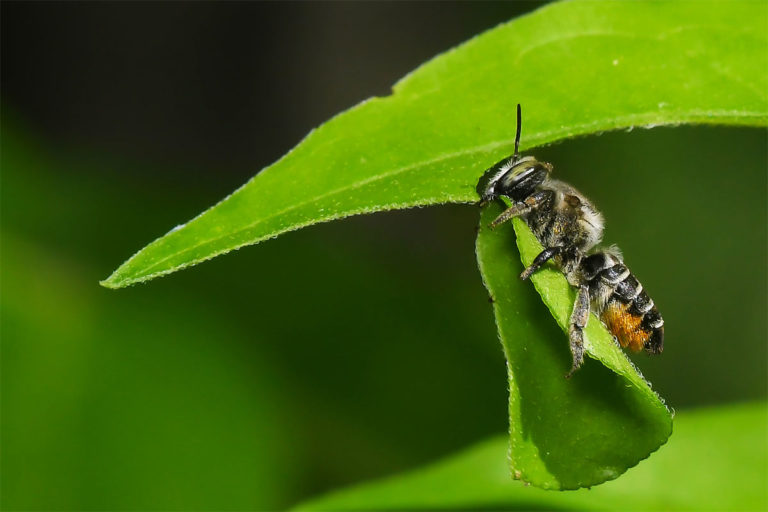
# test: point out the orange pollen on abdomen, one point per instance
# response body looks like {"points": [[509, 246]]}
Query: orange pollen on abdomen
{"points": [[625, 325]]}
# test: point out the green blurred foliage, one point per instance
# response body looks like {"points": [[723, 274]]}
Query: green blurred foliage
{"points": [[338, 353], [705, 468], [230, 387]]}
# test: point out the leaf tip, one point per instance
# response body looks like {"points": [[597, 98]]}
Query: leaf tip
{"points": [[119, 278], [113, 282]]}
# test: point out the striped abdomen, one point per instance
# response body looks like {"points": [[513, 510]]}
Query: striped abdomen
{"points": [[623, 306]]}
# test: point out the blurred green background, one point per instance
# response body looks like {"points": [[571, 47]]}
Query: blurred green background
{"points": [[328, 356]]}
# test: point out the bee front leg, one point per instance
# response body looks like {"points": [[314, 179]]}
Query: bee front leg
{"points": [[513, 211], [579, 317], [522, 208]]}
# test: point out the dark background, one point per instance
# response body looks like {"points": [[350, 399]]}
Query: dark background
{"points": [[329, 356]]}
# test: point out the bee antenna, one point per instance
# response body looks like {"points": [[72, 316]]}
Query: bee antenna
{"points": [[517, 135]]}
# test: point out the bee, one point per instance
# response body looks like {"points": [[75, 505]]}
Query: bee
{"points": [[570, 228]]}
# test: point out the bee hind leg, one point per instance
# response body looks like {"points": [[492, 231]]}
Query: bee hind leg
{"points": [[579, 318]]}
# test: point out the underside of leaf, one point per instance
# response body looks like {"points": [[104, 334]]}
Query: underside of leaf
{"points": [[564, 433]]}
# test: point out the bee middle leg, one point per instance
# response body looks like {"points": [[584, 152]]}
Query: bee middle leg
{"points": [[539, 260], [579, 318]]}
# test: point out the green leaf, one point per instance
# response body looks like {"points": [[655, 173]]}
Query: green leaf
{"points": [[716, 461], [577, 67], [564, 434]]}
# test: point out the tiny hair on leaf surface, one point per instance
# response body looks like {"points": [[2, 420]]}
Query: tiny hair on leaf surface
{"points": [[578, 68], [564, 434]]}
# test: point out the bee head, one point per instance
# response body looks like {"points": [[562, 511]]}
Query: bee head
{"points": [[516, 178]]}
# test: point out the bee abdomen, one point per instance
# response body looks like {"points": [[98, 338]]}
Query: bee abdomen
{"points": [[629, 313]]}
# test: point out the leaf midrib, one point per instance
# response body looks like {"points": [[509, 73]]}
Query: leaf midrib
{"points": [[345, 188], [536, 139]]}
